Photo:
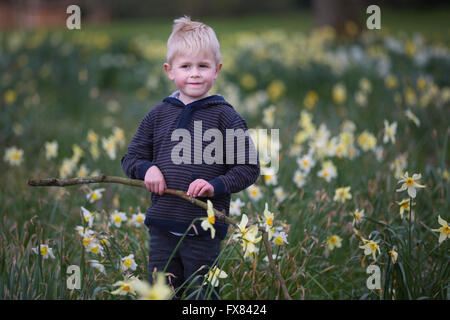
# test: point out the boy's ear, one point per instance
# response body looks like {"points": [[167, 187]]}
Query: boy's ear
{"points": [[217, 70], [168, 69]]}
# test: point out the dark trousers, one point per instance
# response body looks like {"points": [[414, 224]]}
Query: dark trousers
{"points": [[194, 255]]}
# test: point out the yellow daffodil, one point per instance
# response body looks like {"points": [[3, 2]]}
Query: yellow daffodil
{"points": [[249, 241], [394, 255], [280, 238], [311, 99], [444, 230], [67, 168], [214, 275], [158, 291], [410, 184], [339, 93], [208, 223], [367, 141], [342, 194], [10, 96], [370, 247]]}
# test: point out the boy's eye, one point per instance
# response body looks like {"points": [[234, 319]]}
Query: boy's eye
{"points": [[204, 66]]}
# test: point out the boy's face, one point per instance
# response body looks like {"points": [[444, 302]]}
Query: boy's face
{"points": [[194, 75]]}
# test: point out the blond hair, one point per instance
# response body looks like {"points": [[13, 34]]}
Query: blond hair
{"points": [[192, 37]]}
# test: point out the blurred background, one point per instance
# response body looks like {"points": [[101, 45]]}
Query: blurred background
{"points": [[31, 14]]}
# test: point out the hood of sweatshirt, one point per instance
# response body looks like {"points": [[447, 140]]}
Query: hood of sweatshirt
{"points": [[190, 108]]}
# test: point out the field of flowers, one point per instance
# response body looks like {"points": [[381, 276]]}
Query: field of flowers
{"points": [[363, 175]]}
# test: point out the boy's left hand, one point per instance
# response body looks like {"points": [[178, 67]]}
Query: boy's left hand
{"points": [[200, 188]]}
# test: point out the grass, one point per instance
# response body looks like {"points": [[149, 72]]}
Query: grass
{"points": [[53, 101]]}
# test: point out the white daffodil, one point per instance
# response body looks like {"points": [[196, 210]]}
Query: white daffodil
{"points": [[299, 178], [357, 216], [125, 287], [306, 163], [254, 192], [214, 275], [88, 216], [118, 217], [235, 207], [95, 247], [279, 193], [97, 265], [370, 247], [13, 156], [394, 256], [95, 195], [51, 150], [138, 219], [45, 251], [208, 222], [389, 132], [128, 263], [410, 184], [444, 230]]}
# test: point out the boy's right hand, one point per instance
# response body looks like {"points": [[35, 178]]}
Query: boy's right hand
{"points": [[154, 180]]}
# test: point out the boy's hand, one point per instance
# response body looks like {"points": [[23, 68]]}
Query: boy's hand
{"points": [[200, 188], [154, 180]]}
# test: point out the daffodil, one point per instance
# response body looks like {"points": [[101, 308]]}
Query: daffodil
{"points": [[214, 275], [306, 163], [44, 250], [98, 266], [138, 219], [311, 99], [389, 132], [128, 263], [357, 216], [125, 287], [92, 137], [249, 241], [342, 194], [280, 238], [109, 145], [208, 223], [334, 241], [13, 156], [271, 179], [394, 255], [118, 217], [279, 193], [83, 171], [444, 230], [235, 207], [95, 195], [370, 247], [411, 116], [254, 192], [404, 206], [299, 178], [410, 184], [51, 150], [367, 141], [339, 93], [158, 291], [328, 171], [67, 167], [95, 247], [88, 216]]}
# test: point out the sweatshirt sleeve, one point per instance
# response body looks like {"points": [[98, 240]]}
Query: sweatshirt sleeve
{"points": [[139, 156], [241, 160]]}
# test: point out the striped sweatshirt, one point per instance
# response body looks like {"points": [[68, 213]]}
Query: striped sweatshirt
{"points": [[155, 143]]}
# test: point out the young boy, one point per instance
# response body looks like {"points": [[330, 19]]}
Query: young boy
{"points": [[193, 63]]}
